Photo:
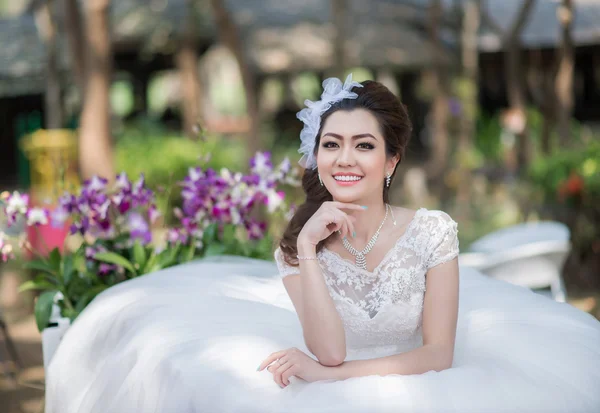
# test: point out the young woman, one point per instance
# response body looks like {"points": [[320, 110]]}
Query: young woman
{"points": [[355, 267], [372, 318]]}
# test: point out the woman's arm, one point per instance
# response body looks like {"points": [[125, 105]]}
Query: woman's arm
{"points": [[440, 314], [322, 326]]}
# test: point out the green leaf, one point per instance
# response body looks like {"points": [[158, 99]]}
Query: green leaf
{"points": [[55, 259], [48, 278], [88, 296], [40, 265], [215, 249], [43, 309], [67, 269], [112, 258], [229, 234], [210, 233], [139, 255], [36, 285], [168, 257], [151, 265], [71, 314], [245, 249], [189, 253]]}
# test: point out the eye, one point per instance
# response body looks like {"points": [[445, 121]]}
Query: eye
{"points": [[366, 145], [329, 144]]}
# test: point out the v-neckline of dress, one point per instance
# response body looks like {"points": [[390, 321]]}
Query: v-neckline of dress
{"points": [[387, 254]]}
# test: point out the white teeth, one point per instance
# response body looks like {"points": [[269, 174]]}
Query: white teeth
{"points": [[347, 178]]}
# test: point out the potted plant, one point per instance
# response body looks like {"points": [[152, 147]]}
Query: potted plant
{"points": [[115, 236]]}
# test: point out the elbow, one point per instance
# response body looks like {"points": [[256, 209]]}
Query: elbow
{"points": [[329, 357], [332, 360], [444, 360]]}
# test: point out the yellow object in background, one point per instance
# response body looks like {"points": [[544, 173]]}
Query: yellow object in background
{"points": [[52, 154]]}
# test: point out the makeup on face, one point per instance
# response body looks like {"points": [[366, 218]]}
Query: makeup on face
{"points": [[351, 152]]}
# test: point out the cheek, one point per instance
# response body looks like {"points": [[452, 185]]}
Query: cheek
{"points": [[324, 159], [373, 161]]}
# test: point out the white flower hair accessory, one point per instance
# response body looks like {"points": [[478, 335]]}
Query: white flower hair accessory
{"points": [[333, 92]]}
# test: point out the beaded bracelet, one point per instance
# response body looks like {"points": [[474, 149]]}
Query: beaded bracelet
{"points": [[306, 258]]}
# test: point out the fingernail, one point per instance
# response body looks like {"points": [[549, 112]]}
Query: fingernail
{"points": [[364, 206], [354, 234]]}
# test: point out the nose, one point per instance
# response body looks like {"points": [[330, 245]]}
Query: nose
{"points": [[346, 157]]}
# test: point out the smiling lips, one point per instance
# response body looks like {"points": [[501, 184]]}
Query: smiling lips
{"points": [[347, 180]]}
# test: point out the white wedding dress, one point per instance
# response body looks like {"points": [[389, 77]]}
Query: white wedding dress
{"points": [[189, 340]]}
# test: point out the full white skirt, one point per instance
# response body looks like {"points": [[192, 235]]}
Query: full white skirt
{"points": [[189, 340]]}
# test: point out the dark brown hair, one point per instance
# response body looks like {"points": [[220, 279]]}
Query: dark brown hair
{"points": [[396, 129]]}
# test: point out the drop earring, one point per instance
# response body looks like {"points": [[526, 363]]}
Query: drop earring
{"points": [[320, 179], [388, 180]]}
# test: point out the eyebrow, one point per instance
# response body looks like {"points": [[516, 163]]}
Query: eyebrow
{"points": [[361, 135]]}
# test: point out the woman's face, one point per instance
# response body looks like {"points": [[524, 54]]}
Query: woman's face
{"points": [[351, 157]]}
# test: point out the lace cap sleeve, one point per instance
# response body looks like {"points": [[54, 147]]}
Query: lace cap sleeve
{"points": [[283, 267], [444, 243]]}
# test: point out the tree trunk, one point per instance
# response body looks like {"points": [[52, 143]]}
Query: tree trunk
{"points": [[512, 48], [187, 64], [564, 76], [469, 91], [338, 12], [76, 41], [230, 37], [470, 62], [514, 84], [440, 108], [45, 20], [548, 109], [95, 142]]}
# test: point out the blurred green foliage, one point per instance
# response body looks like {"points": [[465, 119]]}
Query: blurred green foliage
{"points": [[569, 172], [164, 156], [488, 137]]}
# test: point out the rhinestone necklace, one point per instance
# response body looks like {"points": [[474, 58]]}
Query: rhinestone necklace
{"points": [[361, 259]]}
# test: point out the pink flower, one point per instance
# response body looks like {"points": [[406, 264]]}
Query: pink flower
{"points": [[96, 184], [16, 206], [59, 216], [153, 214], [37, 216]]}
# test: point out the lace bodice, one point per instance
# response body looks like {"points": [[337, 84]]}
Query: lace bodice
{"points": [[382, 309]]}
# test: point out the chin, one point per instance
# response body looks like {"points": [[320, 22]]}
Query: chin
{"points": [[347, 197]]}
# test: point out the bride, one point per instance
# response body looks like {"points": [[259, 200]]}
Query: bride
{"points": [[364, 309]]}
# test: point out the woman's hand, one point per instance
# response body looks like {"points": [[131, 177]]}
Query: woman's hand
{"points": [[328, 218], [293, 362]]}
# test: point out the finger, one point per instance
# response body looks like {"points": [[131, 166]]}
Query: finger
{"points": [[285, 377], [346, 229], [340, 219], [334, 222], [347, 225], [350, 223], [280, 370], [271, 359], [276, 364], [346, 205]]}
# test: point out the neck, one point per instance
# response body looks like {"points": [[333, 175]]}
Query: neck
{"points": [[367, 222]]}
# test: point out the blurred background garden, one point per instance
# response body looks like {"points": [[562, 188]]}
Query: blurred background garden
{"points": [[504, 96]]}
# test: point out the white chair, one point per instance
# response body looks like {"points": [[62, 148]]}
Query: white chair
{"points": [[530, 255]]}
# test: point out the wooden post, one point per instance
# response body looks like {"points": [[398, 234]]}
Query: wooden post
{"points": [[564, 76], [45, 21], [95, 141]]}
